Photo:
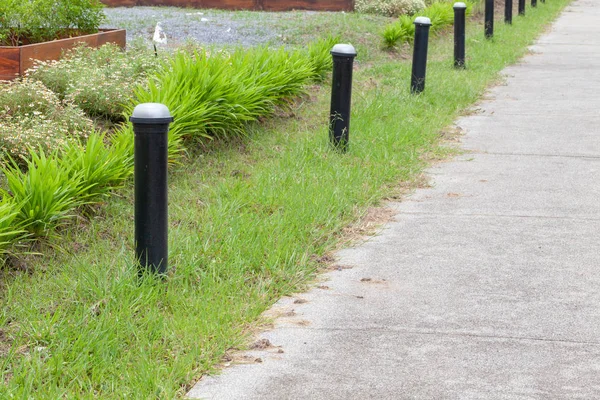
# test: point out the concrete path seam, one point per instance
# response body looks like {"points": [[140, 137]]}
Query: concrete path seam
{"points": [[439, 333]]}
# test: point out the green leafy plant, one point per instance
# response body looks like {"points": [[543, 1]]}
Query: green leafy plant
{"points": [[46, 193], [440, 13], [10, 230], [32, 21], [319, 55], [215, 94], [121, 143], [97, 167], [401, 30]]}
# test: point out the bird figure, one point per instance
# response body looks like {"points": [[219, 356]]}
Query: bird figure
{"points": [[159, 35]]}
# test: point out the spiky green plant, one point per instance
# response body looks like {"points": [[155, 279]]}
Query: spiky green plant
{"points": [[440, 13], [121, 143], [319, 54], [401, 30], [216, 94], [10, 230], [47, 192], [102, 168]]}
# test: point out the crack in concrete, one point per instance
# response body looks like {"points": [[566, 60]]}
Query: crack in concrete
{"points": [[483, 215], [446, 333], [576, 156], [532, 114]]}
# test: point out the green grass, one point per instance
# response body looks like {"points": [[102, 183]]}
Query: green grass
{"points": [[249, 219]]}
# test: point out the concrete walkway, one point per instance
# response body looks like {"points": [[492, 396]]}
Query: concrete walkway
{"points": [[486, 286]]}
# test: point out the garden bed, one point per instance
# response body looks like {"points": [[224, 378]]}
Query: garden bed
{"points": [[15, 60], [267, 5]]}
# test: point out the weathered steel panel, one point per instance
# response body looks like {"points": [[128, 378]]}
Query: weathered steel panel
{"points": [[14, 61]]}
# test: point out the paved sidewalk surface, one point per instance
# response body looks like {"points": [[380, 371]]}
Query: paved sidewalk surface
{"points": [[487, 285]]}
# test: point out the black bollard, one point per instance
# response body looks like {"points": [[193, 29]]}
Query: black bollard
{"points": [[508, 9], [341, 93], [459, 34], [533, 3], [521, 7], [489, 19], [419, 65], [151, 127]]}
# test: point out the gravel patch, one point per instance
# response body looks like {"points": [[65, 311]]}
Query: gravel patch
{"points": [[210, 27]]}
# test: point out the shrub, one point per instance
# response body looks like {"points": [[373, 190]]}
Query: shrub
{"points": [[31, 115], [99, 81], [32, 21], [390, 8], [46, 193]]}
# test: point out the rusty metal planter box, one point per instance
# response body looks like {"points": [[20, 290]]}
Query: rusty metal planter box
{"points": [[15, 60]]}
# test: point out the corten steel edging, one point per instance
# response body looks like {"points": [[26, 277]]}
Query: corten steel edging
{"points": [[10, 62], [15, 60], [267, 5]]}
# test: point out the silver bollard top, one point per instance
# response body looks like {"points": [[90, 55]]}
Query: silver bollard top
{"points": [[422, 21], [343, 50], [460, 5], [151, 113]]}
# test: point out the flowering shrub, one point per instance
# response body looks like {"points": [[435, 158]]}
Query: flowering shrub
{"points": [[99, 81], [32, 116], [390, 8]]}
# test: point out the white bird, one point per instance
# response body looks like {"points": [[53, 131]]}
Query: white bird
{"points": [[159, 35]]}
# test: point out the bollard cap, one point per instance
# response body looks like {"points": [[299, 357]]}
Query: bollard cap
{"points": [[422, 21], [344, 50], [151, 113], [459, 5]]}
